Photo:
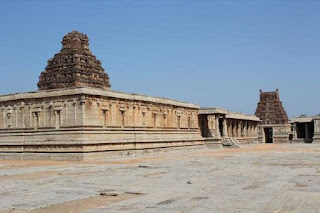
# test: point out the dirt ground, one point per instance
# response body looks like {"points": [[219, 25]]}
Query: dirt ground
{"points": [[253, 178]]}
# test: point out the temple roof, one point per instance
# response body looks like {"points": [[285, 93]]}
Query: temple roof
{"points": [[270, 109], [229, 114], [74, 66]]}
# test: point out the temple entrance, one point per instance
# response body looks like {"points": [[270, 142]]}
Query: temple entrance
{"points": [[203, 120], [301, 133], [268, 135], [305, 131]]}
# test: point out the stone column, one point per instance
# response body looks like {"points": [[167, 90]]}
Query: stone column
{"points": [[256, 129], [240, 128], [228, 127], [245, 132], [236, 128], [316, 136], [306, 130], [294, 132], [224, 127], [217, 126], [212, 125], [233, 128]]}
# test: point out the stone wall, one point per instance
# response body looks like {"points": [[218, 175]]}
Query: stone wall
{"points": [[280, 132], [316, 136]]}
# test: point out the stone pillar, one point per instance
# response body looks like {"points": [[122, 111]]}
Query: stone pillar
{"points": [[234, 128], [316, 137], [239, 128], [224, 127], [252, 129], [228, 127], [230, 133], [256, 129], [212, 125], [306, 130], [247, 129], [244, 127], [217, 126], [294, 132]]}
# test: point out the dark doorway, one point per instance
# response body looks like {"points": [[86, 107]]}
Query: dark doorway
{"points": [[268, 135], [203, 120], [301, 130], [221, 126], [310, 129]]}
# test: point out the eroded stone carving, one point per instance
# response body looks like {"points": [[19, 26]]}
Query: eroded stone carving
{"points": [[74, 66], [270, 109]]}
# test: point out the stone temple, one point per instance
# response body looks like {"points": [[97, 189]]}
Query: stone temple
{"points": [[274, 125], [75, 116]]}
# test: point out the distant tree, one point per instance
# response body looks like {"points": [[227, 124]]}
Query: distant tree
{"points": [[303, 116]]}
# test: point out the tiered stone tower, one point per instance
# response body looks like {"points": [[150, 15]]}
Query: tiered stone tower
{"points": [[270, 109], [74, 66]]}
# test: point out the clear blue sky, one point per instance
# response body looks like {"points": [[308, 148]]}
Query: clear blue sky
{"points": [[213, 53]]}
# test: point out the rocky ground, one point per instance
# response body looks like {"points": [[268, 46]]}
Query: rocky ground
{"points": [[254, 178]]}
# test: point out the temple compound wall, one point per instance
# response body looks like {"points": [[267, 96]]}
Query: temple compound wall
{"points": [[84, 120], [219, 124], [274, 126], [306, 129]]}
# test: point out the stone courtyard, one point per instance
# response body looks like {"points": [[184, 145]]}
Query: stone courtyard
{"points": [[255, 178]]}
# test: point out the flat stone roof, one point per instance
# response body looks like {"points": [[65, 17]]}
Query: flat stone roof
{"points": [[229, 114], [240, 116], [97, 92], [302, 120], [214, 110]]}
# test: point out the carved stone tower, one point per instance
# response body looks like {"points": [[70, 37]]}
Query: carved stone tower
{"points": [[74, 66], [270, 109]]}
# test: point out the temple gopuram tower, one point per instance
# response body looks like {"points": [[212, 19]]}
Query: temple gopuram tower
{"points": [[270, 109], [274, 126], [74, 66]]}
